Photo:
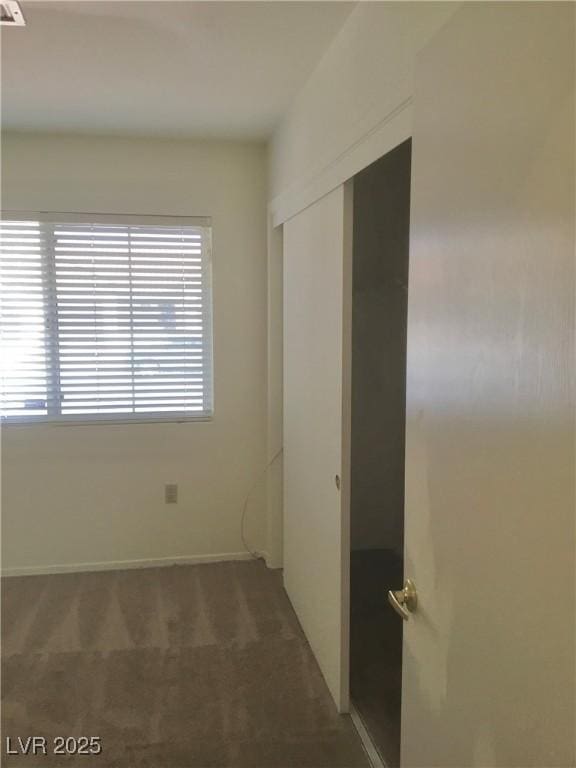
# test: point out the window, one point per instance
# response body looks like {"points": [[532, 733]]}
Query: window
{"points": [[104, 318]]}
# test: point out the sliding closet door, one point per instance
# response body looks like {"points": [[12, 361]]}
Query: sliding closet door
{"points": [[317, 259]]}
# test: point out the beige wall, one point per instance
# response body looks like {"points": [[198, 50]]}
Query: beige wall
{"points": [[489, 657], [274, 503], [94, 494], [362, 90], [354, 108], [363, 79]]}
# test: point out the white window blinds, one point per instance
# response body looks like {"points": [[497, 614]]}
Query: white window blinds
{"points": [[105, 318]]}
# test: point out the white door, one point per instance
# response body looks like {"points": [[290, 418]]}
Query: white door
{"points": [[317, 253], [488, 671]]}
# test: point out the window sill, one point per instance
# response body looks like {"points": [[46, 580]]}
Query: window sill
{"points": [[112, 421]]}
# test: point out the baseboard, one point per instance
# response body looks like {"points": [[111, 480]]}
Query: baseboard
{"points": [[120, 565]]}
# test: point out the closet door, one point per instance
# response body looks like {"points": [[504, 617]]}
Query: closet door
{"points": [[317, 261]]}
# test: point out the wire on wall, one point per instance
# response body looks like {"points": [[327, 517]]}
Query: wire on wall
{"points": [[247, 547]]}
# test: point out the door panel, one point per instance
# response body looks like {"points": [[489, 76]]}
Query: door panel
{"points": [[488, 675], [317, 258]]}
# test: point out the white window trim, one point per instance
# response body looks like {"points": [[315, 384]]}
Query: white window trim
{"points": [[56, 217]]}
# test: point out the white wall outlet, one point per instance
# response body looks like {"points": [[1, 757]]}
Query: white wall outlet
{"points": [[171, 493], [11, 15]]}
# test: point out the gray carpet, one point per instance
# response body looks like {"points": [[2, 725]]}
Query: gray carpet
{"points": [[181, 667]]}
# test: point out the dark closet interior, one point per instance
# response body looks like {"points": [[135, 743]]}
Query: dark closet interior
{"points": [[379, 322]]}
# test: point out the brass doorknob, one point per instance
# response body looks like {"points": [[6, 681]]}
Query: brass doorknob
{"points": [[404, 601]]}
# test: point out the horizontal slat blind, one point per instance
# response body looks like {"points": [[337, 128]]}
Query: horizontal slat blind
{"points": [[105, 320], [25, 365]]}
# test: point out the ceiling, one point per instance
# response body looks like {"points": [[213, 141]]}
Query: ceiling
{"points": [[182, 69]]}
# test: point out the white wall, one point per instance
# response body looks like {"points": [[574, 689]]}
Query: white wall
{"points": [[489, 657], [354, 108], [365, 75], [274, 503], [94, 494]]}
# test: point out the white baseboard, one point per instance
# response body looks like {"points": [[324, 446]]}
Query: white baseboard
{"points": [[120, 565]]}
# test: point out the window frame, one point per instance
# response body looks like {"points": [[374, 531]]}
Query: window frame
{"points": [[177, 417]]}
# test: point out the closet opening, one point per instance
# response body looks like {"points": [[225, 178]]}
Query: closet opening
{"points": [[378, 420]]}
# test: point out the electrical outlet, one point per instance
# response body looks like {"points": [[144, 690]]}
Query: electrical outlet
{"points": [[11, 15], [171, 493]]}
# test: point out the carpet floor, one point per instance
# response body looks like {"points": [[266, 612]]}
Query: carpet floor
{"points": [[184, 667]]}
